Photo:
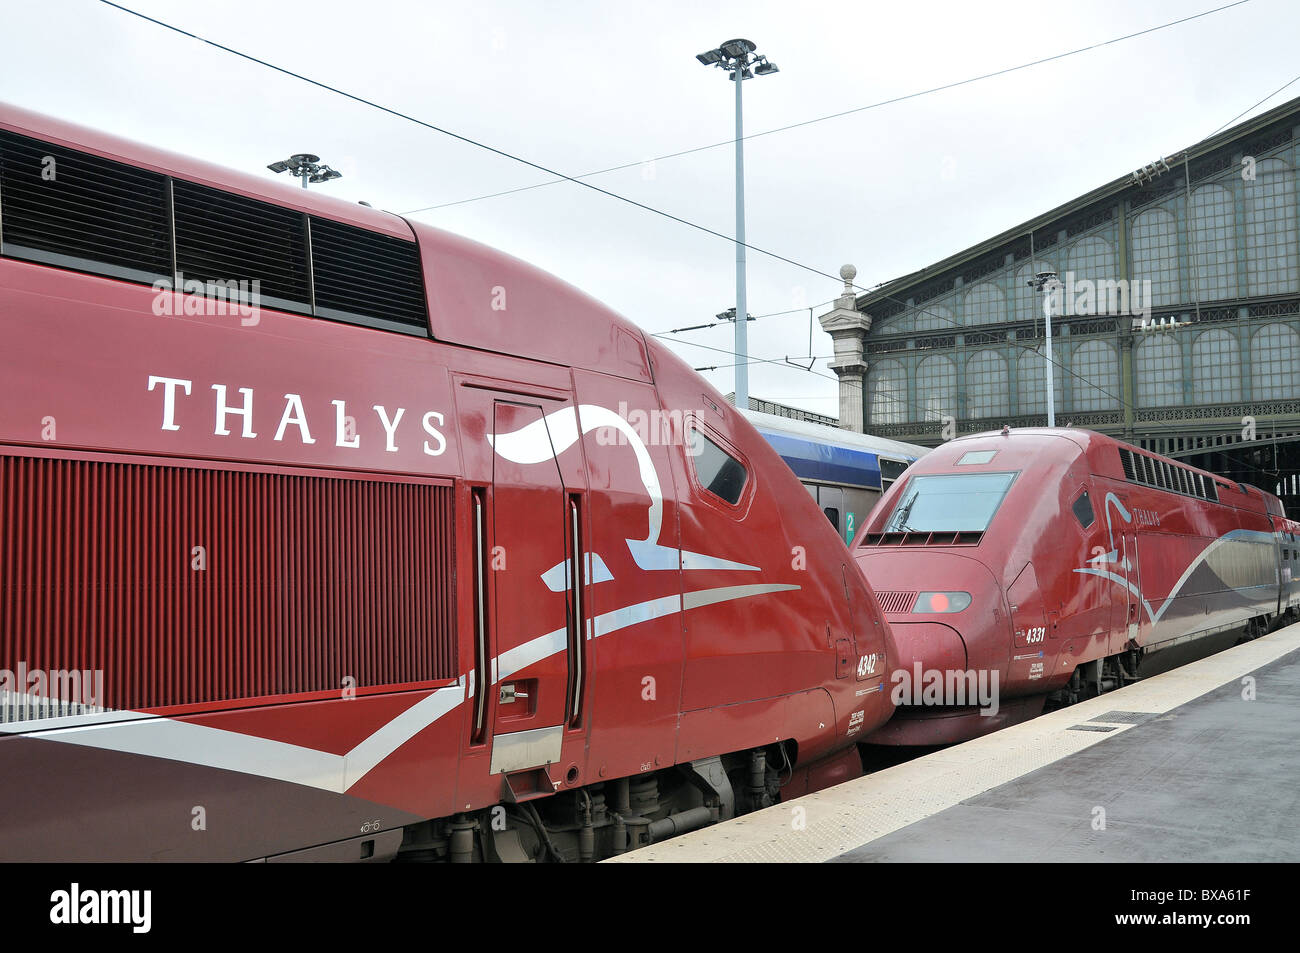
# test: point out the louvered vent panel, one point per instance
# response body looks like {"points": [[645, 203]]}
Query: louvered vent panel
{"points": [[361, 275], [308, 580], [75, 210], [221, 237], [1126, 459], [896, 601]]}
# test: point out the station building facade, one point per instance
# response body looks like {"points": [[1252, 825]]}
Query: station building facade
{"points": [[1203, 246]]}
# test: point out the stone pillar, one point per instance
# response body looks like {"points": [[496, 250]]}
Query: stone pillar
{"points": [[848, 330]]}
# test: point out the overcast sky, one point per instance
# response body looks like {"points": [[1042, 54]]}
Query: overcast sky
{"points": [[578, 86]]}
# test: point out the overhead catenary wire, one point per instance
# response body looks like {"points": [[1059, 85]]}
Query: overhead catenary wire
{"points": [[476, 143], [577, 180], [837, 115]]}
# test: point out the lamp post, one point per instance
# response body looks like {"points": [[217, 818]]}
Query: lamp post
{"points": [[1048, 283], [307, 167], [738, 58]]}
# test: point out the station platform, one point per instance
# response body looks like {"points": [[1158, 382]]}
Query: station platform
{"points": [[1199, 764]]}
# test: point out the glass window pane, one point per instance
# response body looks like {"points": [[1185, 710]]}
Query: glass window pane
{"points": [[719, 472], [1083, 510], [947, 503], [887, 394]]}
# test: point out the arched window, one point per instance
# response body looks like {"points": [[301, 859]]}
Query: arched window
{"points": [[1159, 372], [1271, 229], [1098, 366], [1275, 363], [1155, 255], [1031, 369], [1216, 368], [1029, 303], [936, 388], [985, 304], [986, 385], [1214, 243], [887, 393], [1092, 260], [934, 317], [899, 324]]}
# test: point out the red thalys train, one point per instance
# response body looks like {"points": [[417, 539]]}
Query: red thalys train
{"points": [[328, 535], [1046, 563]]}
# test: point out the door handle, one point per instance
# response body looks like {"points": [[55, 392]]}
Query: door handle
{"points": [[508, 694]]}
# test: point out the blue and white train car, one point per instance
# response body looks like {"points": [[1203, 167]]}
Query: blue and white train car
{"points": [[845, 472]]}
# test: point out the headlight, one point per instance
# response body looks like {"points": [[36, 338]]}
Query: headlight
{"points": [[941, 602]]}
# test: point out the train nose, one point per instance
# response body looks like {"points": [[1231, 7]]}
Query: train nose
{"points": [[951, 635], [946, 610]]}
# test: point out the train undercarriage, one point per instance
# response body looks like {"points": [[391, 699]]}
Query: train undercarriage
{"points": [[610, 818], [1098, 676]]}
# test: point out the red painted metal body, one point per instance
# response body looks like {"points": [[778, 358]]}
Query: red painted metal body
{"points": [[1051, 590], [267, 538]]}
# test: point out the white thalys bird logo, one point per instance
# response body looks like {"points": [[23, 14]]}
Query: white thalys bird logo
{"points": [[552, 435]]}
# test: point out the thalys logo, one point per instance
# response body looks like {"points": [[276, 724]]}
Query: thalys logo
{"points": [[377, 423]]}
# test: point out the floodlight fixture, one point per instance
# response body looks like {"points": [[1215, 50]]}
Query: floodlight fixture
{"points": [[307, 167]]}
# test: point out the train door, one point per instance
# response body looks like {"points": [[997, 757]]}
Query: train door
{"points": [[528, 535], [831, 500], [1132, 626], [1282, 560]]}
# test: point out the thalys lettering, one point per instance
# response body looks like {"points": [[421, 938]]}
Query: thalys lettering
{"points": [[292, 418]]}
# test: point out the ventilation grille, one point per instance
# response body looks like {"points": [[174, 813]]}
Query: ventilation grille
{"points": [[79, 211], [963, 538], [896, 601], [228, 238], [308, 580], [74, 210], [1166, 475], [360, 273]]}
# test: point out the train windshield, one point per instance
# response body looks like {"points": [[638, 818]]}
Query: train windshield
{"points": [[963, 503]]}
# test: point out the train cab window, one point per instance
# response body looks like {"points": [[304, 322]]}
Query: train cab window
{"points": [[1083, 510], [833, 515], [949, 503], [719, 472]]}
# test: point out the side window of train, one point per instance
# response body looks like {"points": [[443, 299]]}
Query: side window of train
{"points": [[718, 471], [1083, 510], [890, 470], [833, 515]]}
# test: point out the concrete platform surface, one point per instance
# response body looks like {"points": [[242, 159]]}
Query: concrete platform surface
{"points": [[1197, 764]]}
